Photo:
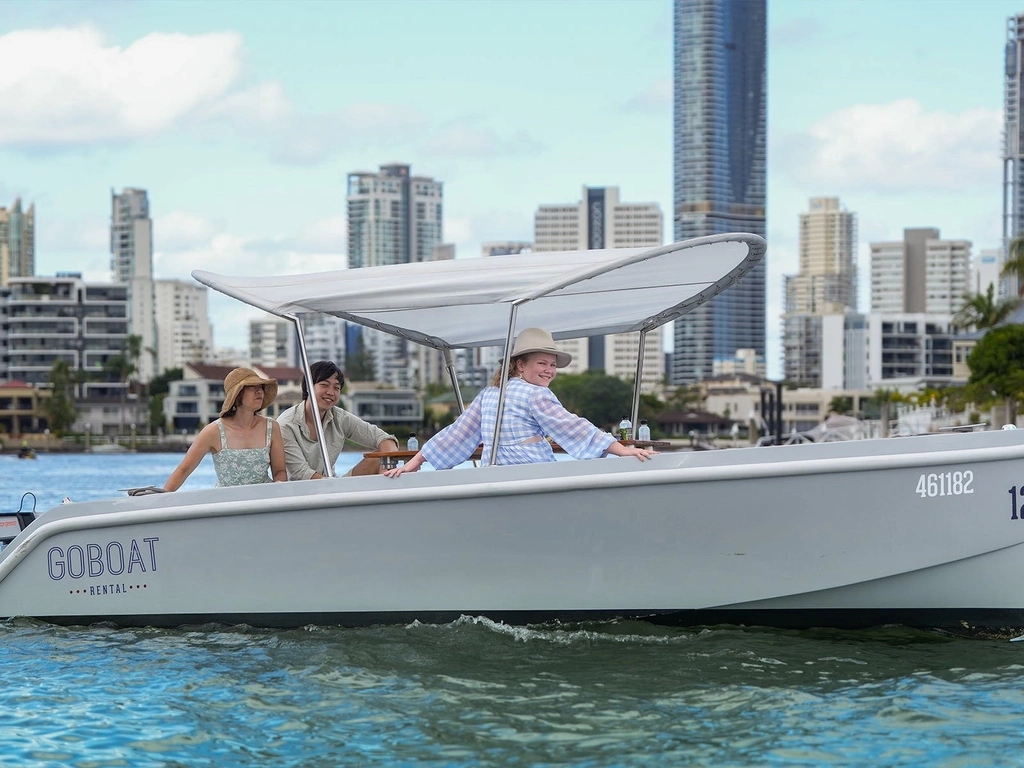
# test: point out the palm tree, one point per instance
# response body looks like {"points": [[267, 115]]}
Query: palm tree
{"points": [[982, 311], [884, 396], [1014, 265], [126, 367]]}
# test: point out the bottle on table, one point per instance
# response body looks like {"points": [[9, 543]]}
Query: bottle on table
{"points": [[643, 432], [625, 429], [413, 444]]}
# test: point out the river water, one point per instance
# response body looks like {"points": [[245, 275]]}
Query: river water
{"points": [[478, 693]]}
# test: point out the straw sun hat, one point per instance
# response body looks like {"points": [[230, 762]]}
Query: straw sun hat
{"points": [[539, 340], [246, 377]]}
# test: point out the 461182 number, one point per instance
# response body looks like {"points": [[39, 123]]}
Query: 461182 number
{"points": [[945, 484]]}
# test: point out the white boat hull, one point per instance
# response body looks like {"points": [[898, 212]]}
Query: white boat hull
{"points": [[922, 531]]}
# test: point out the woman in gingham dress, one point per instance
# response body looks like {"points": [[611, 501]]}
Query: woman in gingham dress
{"points": [[532, 413]]}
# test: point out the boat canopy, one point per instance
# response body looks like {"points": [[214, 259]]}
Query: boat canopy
{"points": [[468, 302]]}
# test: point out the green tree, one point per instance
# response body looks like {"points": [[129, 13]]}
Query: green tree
{"points": [[60, 406], [359, 364], [159, 388], [1014, 265], [685, 398], [884, 397], [841, 404], [997, 366], [599, 398], [983, 311], [125, 366]]}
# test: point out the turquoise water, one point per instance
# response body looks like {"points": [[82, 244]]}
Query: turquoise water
{"points": [[477, 693]]}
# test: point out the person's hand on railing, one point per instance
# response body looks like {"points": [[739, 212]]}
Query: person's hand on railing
{"points": [[412, 465]]}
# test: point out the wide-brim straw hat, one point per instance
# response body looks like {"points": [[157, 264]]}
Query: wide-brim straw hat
{"points": [[246, 377], [539, 340]]}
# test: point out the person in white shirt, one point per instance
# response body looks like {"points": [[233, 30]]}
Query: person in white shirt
{"points": [[302, 454]]}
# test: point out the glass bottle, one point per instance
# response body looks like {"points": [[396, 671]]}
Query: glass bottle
{"points": [[625, 429], [413, 444], [644, 431]]}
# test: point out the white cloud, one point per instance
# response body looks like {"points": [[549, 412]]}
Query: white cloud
{"points": [[73, 88], [463, 139], [898, 147], [180, 230], [655, 98]]}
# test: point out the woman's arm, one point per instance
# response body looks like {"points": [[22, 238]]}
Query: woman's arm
{"points": [[277, 467], [412, 465], [618, 449], [205, 441]]}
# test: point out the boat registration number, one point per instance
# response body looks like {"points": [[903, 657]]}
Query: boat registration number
{"points": [[945, 484]]}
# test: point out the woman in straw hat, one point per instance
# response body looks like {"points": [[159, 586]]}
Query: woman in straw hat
{"points": [[243, 443], [532, 413]]}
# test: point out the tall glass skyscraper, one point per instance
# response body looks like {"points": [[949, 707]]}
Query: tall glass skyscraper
{"points": [[719, 175], [1013, 135]]}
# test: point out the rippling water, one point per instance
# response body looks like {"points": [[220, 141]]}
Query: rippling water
{"points": [[476, 693]]}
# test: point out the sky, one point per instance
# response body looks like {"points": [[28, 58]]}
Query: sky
{"points": [[242, 120]]}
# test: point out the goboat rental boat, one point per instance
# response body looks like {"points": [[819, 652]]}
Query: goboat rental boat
{"points": [[923, 531]]}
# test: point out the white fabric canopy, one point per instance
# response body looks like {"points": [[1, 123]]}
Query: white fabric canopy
{"points": [[467, 302]]}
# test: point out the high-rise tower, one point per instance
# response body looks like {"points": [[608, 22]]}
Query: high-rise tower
{"points": [[719, 126], [1013, 131], [17, 242], [825, 285], [131, 263], [393, 218]]}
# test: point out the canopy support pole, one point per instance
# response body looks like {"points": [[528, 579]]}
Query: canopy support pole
{"points": [[636, 383], [308, 375], [450, 367], [514, 309]]}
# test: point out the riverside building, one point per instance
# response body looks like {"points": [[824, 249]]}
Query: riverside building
{"points": [[83, 324], [600, 220]]}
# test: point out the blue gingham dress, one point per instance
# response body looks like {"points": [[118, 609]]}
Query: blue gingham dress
{"points": [[530, 412]]}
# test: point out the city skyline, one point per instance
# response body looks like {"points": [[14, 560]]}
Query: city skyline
{"points": [[244, 140]]}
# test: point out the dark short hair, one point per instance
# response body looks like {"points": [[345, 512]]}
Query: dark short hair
{"points": [[322, 370]]}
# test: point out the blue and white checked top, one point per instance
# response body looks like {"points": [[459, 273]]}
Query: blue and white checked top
{"points": [[530, 412]]}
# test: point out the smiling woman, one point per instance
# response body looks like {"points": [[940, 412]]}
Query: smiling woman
{"points": [[243, 443], [531, 415]]}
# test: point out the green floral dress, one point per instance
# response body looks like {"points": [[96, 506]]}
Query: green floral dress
{"points": [[242, 466]]}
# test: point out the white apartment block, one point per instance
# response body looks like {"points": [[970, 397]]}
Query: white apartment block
{"points": [[616, 355], [325, 339], [597, 222], [986, 270], [920, 274], [184, 333], [131, 263], [86, 326], [859, 351], [272, 343]]}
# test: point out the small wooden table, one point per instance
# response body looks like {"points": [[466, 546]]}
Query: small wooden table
{"points": [[390, 459]]}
